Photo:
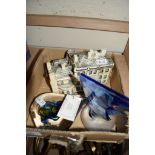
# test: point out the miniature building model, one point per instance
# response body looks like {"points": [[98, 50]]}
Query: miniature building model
{"points": [[92, 63], [60, 79], [64, 73]]}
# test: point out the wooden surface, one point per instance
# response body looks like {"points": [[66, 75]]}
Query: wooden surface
{"points": [[103, 9], [126, 53], [58, 37], [101, 15], [123, 71], [77, 22], [34, 52]]}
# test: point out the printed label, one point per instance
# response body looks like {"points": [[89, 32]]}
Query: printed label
{"points": [[69, 107]]}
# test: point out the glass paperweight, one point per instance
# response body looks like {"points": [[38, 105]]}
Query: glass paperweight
{"points": [[49, 111], [103, 105], [44, 111]]}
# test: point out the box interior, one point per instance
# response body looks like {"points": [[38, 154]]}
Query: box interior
{"points": [[39, 83]]}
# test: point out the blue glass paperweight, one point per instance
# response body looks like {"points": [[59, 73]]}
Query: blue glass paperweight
{"points": [[49, 111]]}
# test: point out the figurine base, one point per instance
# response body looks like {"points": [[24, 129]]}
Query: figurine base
{"points": [[97, 123]]}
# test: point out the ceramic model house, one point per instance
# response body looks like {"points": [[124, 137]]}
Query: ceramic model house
{"points": [[60, 81], [64, 73], [92, 63]]}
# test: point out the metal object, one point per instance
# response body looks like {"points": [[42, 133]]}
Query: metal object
{"points": [[40, 146], [64, 73]]}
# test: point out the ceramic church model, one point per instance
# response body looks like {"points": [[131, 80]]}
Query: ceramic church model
{"points": [[60, 79]]}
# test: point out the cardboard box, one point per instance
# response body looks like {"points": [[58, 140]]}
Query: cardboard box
{"points": [[39, 83]]}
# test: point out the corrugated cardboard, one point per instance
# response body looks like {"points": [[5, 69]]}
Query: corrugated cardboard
{"points": [[34, 54], [39, 83]]}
